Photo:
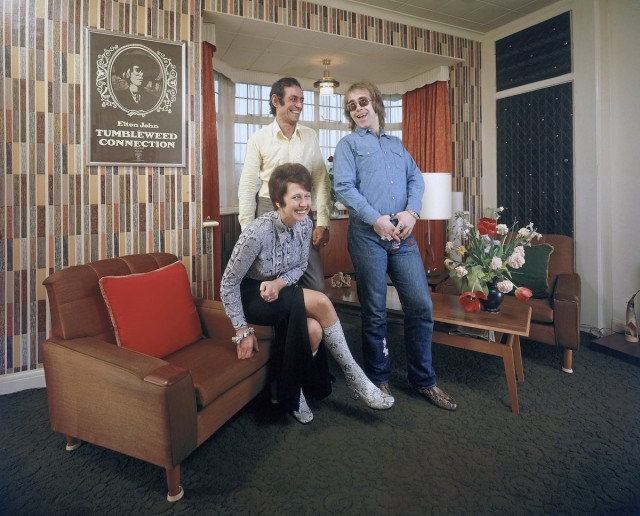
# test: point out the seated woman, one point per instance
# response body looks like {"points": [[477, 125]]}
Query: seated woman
{"points": [[259, 286]]}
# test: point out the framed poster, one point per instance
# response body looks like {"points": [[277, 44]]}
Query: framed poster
{"points": [[135, 100]]}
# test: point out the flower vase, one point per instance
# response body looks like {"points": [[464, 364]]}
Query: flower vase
{"points": [[494, 299]]}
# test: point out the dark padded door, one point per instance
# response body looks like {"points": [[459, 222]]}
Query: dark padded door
{"points": [[535, 159]]}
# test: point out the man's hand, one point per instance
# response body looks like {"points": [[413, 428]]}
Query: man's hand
{"points": [[385, 228], [320, 237], [406, 222]]}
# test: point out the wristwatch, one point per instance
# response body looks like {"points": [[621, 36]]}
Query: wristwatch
{"points": [[413, 213], [237, 339]]}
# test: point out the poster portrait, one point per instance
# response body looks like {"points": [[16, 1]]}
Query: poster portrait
{"points": [[135, 100]]}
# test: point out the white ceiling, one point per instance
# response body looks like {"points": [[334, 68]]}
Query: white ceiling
{"points": [[480, 16], [257, 47], [270, 48]]}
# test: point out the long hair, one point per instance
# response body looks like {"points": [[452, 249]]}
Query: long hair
{"points": [[376, 102]]}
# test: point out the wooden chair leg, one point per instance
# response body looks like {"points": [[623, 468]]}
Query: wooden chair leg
{"points": [[173, 483], [72, 443], [567, 366]]}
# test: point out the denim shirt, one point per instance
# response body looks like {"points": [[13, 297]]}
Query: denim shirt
{"points": [[375, 176]]}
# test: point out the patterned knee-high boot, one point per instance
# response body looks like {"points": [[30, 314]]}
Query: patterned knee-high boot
{"points": [[303, 414], [357, 381]]}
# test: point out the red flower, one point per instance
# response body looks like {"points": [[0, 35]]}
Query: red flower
{"points": [[470, 301], [487, 226], [523, 293]]}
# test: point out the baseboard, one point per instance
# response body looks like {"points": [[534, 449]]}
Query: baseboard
{"points": [[618, 326], [15, 382]]}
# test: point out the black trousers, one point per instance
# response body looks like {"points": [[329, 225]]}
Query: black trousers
{"points": [[295, 365]]}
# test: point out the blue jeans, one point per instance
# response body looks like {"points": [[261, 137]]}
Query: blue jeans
{"points": [[373, 259]]}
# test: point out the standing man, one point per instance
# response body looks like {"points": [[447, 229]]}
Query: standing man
{"points": [[286, 141], [380, 183]]}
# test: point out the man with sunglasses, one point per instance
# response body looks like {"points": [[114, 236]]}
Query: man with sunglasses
{"points": [[381, 185], [286, 141]]}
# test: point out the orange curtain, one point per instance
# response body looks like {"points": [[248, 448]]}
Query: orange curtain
{"points": [[426, 127], [426, 133], [210, 180]]}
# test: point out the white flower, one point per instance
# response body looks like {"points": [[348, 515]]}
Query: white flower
{"points": [[505, 286], [487, 257], [516, 260], [534, 234], [461, 271]]}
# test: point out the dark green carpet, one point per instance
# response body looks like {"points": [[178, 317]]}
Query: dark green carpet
{"points": [[574, 449]]}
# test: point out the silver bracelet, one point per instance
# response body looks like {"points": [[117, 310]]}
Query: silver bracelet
{"points": [[414, 214], [237, 339]]}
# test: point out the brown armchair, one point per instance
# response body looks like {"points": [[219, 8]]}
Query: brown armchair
{"points": [[155, 409], [556, 320]]}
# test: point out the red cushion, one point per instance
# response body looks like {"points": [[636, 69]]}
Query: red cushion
{"points": [[154, 312]]}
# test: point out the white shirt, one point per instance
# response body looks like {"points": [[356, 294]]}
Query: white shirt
{"points": [[268, 148]]}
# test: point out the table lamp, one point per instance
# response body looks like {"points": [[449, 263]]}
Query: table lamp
{"points": [[436, 202]]}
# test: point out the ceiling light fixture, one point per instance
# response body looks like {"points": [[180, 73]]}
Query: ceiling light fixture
{"points": [[327, 84]]}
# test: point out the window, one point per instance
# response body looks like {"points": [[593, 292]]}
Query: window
{"points": [[252, 100], [393, 113]]}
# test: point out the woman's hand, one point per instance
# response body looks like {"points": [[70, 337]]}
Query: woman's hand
{"points": [[247, 347], [270, 290]]}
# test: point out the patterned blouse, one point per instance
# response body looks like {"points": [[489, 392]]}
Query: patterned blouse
{"points": [[266, 250]]}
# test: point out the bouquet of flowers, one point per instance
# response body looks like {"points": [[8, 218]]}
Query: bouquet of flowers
{"points": [[488, 254]]}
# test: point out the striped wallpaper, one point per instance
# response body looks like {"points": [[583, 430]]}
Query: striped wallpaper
{"points": [[56, 211]]}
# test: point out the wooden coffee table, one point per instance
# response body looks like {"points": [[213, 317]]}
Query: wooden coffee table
{"points": [[509, 325]]}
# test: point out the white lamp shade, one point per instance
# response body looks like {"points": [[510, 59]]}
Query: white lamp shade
{"points": [[457, 202], [436, 200], [326, 89]]}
